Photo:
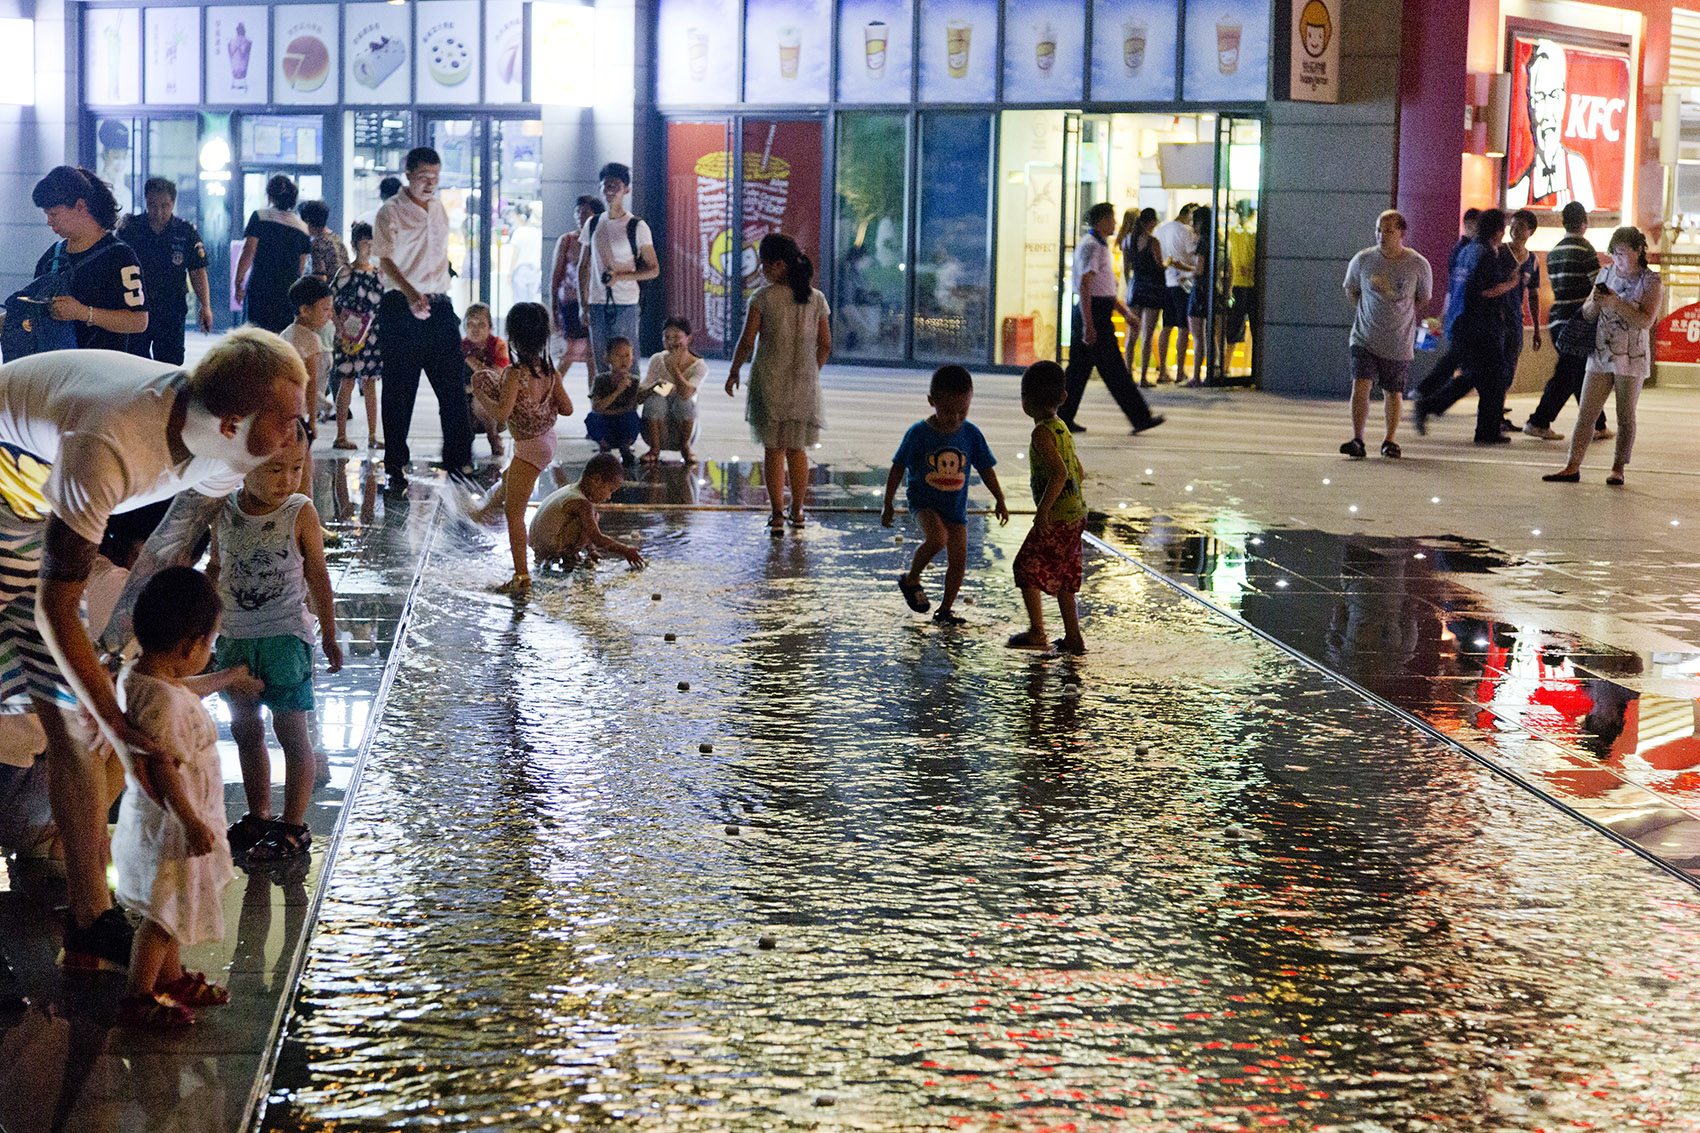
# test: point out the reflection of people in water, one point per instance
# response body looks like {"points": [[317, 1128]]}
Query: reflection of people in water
{"points": [[1555, 175], [860, 306]]}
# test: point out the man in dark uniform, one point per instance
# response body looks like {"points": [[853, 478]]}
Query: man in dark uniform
{"points": [[168, 247]]}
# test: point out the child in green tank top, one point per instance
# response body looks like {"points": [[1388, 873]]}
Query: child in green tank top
{"points": [[1049, 559]]}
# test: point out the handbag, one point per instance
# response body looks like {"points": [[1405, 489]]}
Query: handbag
{"points": [[352, 329], [1578, 337], [30, 326]]}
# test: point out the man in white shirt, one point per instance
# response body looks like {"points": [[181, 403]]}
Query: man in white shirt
{"points": [[1175, 240], [417, 326], [1094, 339], [85, 434], [616, 253]]}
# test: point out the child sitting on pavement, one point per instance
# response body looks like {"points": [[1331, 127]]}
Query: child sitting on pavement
{"points": [[169, 847], [1049, 559], [482, 350], [613, 418], [268, 562], [565, 524], [670, 401], [936, 455]]}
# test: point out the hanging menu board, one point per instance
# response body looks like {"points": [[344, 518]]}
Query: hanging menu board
{"points": [[876, 50], [504, 51], [376, 49], [304, 54], [696, 51], [1133, 50], [1227, 51], [112, 71], [958, 50], [171, 69], [1044, 51], [787, 50], [446, 39], [237, 50]]}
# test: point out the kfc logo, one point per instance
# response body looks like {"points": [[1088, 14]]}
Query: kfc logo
{"points": [[1570, 107]]}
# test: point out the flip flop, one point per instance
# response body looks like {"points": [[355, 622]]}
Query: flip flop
{"points": [[914, 595]]}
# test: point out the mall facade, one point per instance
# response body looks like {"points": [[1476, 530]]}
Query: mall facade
{"points": [[935, 156]]}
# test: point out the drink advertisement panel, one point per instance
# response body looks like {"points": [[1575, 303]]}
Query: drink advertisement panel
{"points": [[112, 56], [1044, 51], [172, 74], [876, 51], [1569, 124], [1133, 50], [238, 44], [1227, 51], [696, 52], [787, 50], [504, 51], [959, 42], [445, 51], [304, 55], [376, 51]]}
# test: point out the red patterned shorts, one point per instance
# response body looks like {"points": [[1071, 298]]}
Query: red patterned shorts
{"points": [[1049, 559]]}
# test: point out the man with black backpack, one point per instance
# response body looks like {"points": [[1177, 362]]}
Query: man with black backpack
{"points": [[617, 253]]}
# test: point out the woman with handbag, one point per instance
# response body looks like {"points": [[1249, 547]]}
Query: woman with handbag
{"points": [[103, 290], [357, 293], [1624, 305]]}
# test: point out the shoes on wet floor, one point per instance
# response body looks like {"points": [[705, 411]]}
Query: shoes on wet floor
{"points": [[1353, 448], [1542, 432], [946, 618], [245, 832], [1391, 450], [914, 595], [1496, 439], [1075, 648], [776, 525], [103, 945], [1028, 639], [192, 990], [154, 1013], [396, 484], [283, 842], [1615, 480]]}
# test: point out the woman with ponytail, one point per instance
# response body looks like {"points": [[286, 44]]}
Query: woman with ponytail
{"points": [[788, 333], [1625, 300], [105, 298]]}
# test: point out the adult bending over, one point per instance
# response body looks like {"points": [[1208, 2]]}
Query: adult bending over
{"points": [[92, 433], [791, 338], [1626, 302], [105, 299]]}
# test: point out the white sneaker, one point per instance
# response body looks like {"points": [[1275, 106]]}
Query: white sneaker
{"points": [[1603, 434], [1535, 430]]}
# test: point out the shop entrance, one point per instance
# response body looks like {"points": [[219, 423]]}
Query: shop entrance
{"points": [[492, 187]]}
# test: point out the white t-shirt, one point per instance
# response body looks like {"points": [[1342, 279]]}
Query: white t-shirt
{"points": [[416, 240], [98, 418], [659, 371], [1176, 241], [310, 345], [1092, 255], [611, 250]]}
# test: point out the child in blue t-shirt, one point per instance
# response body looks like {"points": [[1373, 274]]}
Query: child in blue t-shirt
{"points": [[935, 456]]}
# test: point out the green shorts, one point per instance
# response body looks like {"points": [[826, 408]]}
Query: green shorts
{"points": [[284, 663]]}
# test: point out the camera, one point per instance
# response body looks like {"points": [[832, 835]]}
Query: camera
{"points": [[607, 278]]}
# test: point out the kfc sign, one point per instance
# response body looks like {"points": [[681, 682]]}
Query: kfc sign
{"points": [[1569, 125]]}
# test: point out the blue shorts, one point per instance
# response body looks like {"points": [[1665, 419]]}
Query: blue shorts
{"points": [[954, 511], [616, 430], [283, 662]]}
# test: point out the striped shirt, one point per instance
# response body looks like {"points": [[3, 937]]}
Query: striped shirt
{"points": [[1571, 268]]}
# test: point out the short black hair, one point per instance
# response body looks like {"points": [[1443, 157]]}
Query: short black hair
{"points": [[1471, 214], [592, 203], [948, 381], [614, 169], [358, 231], [282, 191], [317, 214], [1490, 223], [603, 466], [159, 185], [1043, 384], [422, 155], [178, 604], [1098, 212], [619, 340], [679, 322], [1527, 217], [306, 291], [389, 187], [1575, 215], [65, 185]]}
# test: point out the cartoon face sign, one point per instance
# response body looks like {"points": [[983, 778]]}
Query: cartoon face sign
{"points": [[1317, 27], [948, 470]]}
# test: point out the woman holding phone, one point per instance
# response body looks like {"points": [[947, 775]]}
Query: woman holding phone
{"points": [[1625, 300]]}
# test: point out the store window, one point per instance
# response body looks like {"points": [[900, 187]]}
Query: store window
{"points": [[1030, 234], [697, 261], [869, 304], [117, 155], [378, 141], [516, 208], [952, 241], [781, 189], [172, 146]]}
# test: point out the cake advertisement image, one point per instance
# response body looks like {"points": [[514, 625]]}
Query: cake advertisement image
{"points": [[445, 56], [238, 45], [376, 49], [305, 73]]}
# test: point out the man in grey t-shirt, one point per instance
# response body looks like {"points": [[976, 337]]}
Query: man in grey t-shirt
{"points": [[1386, 284]]}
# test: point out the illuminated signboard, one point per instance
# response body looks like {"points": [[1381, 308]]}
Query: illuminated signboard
{"points": [[1569, 129]]}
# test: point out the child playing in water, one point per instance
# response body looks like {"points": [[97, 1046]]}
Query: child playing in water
{"points": [[173, 862], [268, 562], [936, 455], [1049, 559], [613, 418], [565, 523], [528, 399], [482, 350]]}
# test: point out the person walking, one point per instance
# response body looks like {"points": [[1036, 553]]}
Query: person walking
{"points": [[1447, 364], [1625, 300], [1476, 309], [563, 286], [1571, 267], [789, 333], [1094, 330], [416, 321], [275, 247], [616, 254], [1175, 241], [1386, 284], [173, 259], [1146, 291], [105, 296]]}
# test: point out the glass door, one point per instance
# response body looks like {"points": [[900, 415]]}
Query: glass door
{"points": [[1234, 313], [377, 142], [515, 267], [1068, 234], [460, 143]]}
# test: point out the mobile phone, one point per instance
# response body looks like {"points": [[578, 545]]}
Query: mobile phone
{"points": [[1601, 289], [662, 388]]}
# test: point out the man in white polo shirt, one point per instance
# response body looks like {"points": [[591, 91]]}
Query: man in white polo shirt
{"points": [[617, 253], [1094, 339], [417, 325]]}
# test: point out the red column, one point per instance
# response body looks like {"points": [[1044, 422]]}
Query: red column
{"points": [[1432, 66]]}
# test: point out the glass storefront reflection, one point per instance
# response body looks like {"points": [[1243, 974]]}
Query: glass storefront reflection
{"points": [[952, 252], [868, 315]]}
